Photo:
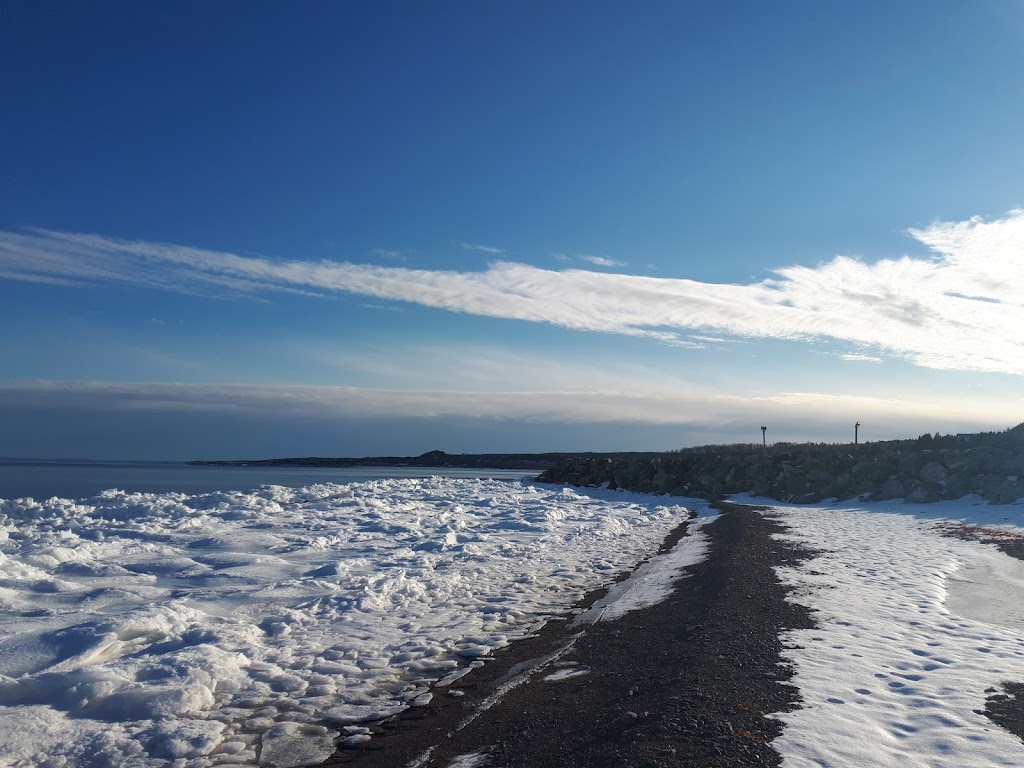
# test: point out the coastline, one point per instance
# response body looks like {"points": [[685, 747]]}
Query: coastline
{"points": [[689, 681]]}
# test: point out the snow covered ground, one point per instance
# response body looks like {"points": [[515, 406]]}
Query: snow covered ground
{"points": [[226, 628], [916, 631]]}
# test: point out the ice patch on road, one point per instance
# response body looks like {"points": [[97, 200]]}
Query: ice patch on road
{"points": [[470, 760], [566, 674], [652, 582]]}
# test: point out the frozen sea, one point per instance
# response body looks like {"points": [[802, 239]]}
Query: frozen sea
{"points": [[194, 628], [73, 480]]}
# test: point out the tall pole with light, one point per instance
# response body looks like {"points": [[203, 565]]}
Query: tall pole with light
{"points": [[856, 429], [764, 439]]}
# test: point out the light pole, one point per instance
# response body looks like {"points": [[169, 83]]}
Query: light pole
{"points": [[856, 429], [764, 439]]}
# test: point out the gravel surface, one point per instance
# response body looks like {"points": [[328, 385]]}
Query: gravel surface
{"points": [[689, 682]]}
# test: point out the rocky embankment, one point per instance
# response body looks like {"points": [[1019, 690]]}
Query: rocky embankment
{"points": [[928, 469]]}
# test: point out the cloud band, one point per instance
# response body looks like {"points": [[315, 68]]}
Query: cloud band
{"points": [[961, 308]]}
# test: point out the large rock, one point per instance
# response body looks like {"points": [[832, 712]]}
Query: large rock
{"points": [[820, 477], [866, 487], [933, 472], [960, 484], [1014, 465], [1000, 490], [910, 462], [795, 482], [891, 489], [922, 495], [844, 484], [663, 481], [875, 470], [995, 461]]}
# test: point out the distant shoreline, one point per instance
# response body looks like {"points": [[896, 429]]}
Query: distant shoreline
{"points": [[527, 461]]}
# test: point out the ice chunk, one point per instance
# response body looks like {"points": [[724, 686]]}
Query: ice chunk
{"points": [[287, 745]]}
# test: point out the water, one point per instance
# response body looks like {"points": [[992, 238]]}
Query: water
{"points": [[74, 481]]}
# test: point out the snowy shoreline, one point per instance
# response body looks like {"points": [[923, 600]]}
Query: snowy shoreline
{"points": [[915, 630], [227, 628]]}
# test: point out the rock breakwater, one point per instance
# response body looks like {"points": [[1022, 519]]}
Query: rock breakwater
{"points": [[928, 469]]}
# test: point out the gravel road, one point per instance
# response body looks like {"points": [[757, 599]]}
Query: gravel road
{"points": [[689, 682]]}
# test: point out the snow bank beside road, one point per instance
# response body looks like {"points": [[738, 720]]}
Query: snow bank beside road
{"points": [[224, 628], [897, 671]]}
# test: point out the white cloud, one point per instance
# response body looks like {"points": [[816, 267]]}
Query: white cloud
{"points": [[712, 339], [860, 358], [488, 249], [960, 308], [29, 277], [601, 261]]}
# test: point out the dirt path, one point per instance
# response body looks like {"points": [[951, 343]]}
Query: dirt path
{"points": [[685, 683]]}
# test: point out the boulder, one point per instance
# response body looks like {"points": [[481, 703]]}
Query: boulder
{"points": [[662, 480], [960, 484], [795, 482], [875, 470], [1000, 490], [922, 495], [996, 461], [933, 472], [1014, 465], [820, 477], [910, 462], [891, 489], [866, 487]]}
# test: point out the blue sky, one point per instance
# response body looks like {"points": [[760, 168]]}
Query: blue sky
{"points": [[250, 229]]}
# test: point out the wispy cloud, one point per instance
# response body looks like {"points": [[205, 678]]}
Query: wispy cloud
{"points": [[854, 358], [488, 249], [962, 307], [601, 261], [712, 339]]}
